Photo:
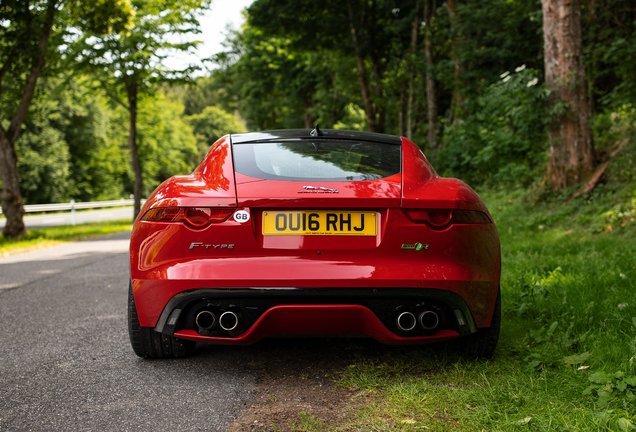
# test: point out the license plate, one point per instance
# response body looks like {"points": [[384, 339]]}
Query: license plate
{"points": [[320, 222]]}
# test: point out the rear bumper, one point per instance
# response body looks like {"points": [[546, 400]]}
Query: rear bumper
{"points": [[318, 319], [270, 311]]}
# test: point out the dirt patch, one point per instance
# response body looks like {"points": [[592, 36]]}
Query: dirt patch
{"points": [[296, 389]]}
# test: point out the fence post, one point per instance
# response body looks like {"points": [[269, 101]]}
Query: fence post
{"points": [[73, 212]]}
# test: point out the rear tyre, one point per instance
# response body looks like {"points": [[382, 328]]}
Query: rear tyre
{"points": [[150, 344], [482, 344]]}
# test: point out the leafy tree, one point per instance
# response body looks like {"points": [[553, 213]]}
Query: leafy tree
{"points": [[274, 85], [211, 124], [129, 65], [166, 141], [43, 154], [24, 48], [92, 128], [609, 44], [501, 141], [366, 32]]}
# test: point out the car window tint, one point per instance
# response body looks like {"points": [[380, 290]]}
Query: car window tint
{"points": [[317, 160]]}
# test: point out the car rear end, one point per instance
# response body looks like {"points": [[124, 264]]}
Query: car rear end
{"points": [[283, 232]]}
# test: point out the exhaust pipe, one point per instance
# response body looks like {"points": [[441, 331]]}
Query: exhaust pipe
{"points": [[229, 321], [429, 320], [205, 320], [406, 321]]}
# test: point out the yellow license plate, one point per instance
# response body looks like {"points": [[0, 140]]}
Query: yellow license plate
{"points": [[320, 222]]}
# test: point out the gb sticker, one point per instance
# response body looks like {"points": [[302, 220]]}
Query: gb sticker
{"points": [[241, 216]]}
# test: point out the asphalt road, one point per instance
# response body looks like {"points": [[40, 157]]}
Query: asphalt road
{"points": [[57, 219], [66, 362]]}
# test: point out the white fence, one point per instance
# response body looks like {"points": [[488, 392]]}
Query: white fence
{"points": [[43, 208], [72, 206]]}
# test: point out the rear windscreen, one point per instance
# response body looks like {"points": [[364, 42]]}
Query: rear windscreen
{"points": [[317, 160]]}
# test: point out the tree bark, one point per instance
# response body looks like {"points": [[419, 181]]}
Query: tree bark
{"points": [[132, 90], [571, 158], [454, 22], [362, 74], [411, 97], [380, 111], [307, 114], [402, 107], [12, 204], [431, 97]]}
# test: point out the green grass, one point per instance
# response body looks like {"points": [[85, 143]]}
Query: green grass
{"points": [[46, 237], [566, 359]]}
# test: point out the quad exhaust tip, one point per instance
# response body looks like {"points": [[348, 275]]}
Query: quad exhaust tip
{"points": [[429, 320], [206, 320], [229, 321], [406, 321]]}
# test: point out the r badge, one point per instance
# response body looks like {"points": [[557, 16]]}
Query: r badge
{"points": [[416, 246]]}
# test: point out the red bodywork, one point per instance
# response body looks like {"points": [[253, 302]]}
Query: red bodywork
{"points": [[462, 259]]}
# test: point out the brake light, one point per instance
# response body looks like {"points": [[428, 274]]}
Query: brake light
{"points": [[194, 217], [441, 219]]}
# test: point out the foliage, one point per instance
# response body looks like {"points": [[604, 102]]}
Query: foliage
{"points": [[23, 24], [610, 386], [211, 124], [354, 119], [70, 145], [167, 145], [43, 156], [74, 143], [134, 57], [483, 53], [503, 141], [609, 42], [610, 129], [273, 85], [32, 34]]}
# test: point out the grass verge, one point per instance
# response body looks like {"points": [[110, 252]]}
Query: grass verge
{"points": [[566, 359], [47, 237]]}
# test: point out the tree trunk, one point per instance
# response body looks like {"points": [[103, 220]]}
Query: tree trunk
{"points": [[454, 22], [379, 106], [411, 97], [12, 204], [307, 115], [131, 90], [402, 109], [431, 97], [571, 148], [362, 74]]}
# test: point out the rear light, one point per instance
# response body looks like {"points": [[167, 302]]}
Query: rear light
{"points": [[441, 219], [194, 217]]}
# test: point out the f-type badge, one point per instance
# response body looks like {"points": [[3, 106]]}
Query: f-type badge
{"points": [[317, 189], [416, 246]]}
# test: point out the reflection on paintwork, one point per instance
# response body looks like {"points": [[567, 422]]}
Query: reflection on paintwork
{"points": [[265, 268], [214, 169], [152, 247]]}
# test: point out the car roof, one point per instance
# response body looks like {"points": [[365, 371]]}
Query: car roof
{"points": [[326, 134]]}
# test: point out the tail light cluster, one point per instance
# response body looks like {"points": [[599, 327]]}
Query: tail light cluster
{"points": [[439, 220], [194, 217]]}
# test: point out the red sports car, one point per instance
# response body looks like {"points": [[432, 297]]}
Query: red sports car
{"points": [[313, 233]]}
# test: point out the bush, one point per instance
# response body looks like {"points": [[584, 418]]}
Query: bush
{"points": [[503, 138]]}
